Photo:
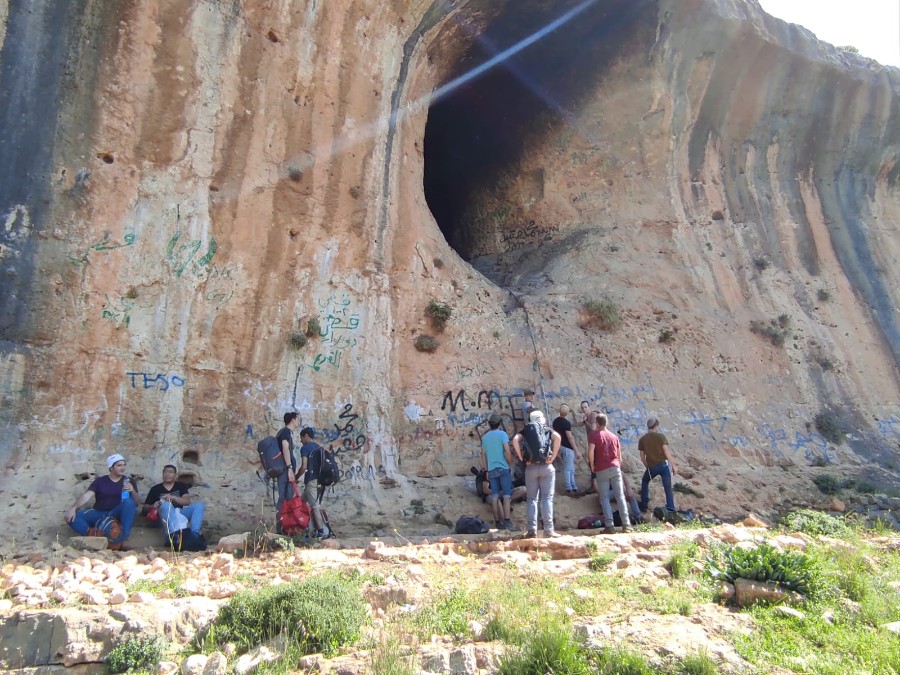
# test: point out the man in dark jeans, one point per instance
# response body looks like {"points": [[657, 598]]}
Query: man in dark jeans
{"points": [[655, 455], [285, 439]]}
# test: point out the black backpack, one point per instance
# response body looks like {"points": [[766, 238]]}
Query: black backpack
{"points": [[271, 457], [187, 540], [537, 443], [471, 525], [329, 472]]}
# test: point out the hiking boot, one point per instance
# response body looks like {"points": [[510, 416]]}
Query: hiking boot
{"points": [[530, 535], [498, 524], [609, 530], [507, 525]]}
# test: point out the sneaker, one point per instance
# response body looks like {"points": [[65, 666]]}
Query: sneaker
{"points": [[507, 525], [530, 535], [552, 535], [609, 530], [498, 524], [321, 534], [627, 528]]}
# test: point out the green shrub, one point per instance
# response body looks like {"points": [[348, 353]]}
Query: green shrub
{"points": [[792, 570], [320, 613], [681, 562], [603, 314], [298, 340], [666, 335], [390, 658], [137, 654], [449, 615], [776, 329], [697, 664], [831, 485], [426, 343], [440, 313], [815, 523], [761, 263], [823, 295], [623, 662], [553, 649], [313, 327], [600, 561], [829, 425]]}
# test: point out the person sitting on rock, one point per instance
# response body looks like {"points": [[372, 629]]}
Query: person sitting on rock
{"points": [[176, 508], [115, 505]]}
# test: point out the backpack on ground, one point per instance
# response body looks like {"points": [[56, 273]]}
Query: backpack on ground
{"points": [[271, 457], [110, 528], [471, 525], [187, 540], [537, 443], [329, 472]]}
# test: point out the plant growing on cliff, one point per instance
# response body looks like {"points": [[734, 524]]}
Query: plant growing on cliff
{"points": [[313, 327], [832, 485], [761, 263], [666, 335], [604, 314], [776, 329], [137, 654], [298, 340], [823, 295], [829, 425], [426, 343], [440, 313]]}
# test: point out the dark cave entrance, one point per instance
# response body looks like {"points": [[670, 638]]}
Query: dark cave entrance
{"points": [[476, 132]]}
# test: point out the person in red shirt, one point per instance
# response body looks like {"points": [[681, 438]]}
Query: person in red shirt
{"points": [[605, 452]]}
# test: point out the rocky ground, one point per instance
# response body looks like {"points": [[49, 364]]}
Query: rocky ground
{"points": [[68, 608]]}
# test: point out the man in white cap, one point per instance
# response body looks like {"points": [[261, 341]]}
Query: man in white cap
{"points": [[538, 445], [115, 505]]}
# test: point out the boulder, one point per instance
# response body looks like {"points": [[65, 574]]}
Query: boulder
{"points": [[748, 592], [89, 543], [233, 542]]}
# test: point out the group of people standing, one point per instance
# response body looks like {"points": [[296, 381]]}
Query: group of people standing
{"points": [[603, 454]]}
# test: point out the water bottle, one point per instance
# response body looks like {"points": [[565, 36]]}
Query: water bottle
{"points": [[125, 480]]}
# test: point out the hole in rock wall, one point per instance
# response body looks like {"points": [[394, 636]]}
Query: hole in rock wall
{"points": [[188, 479], [484, 125], [191, 456]]}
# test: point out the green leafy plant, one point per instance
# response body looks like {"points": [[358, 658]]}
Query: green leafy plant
{"points": [[448, 615], [137, 654], [761, 263], [697, 664], [438, 262], [829, 425], [823, 295], [440, 313], [313, 327], [298, 340], [426, 343], [603, 314], [776, 329], [815, 523], [322, 612], [666, 335], [832, 485], [681, 562], [600, 561], [620, 661], [792, 570], [553, 649]]}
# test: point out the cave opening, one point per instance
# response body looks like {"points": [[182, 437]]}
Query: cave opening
{"points": [[477, 131]]}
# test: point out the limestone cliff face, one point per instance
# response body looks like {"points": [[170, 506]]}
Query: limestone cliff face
{"points": [[187, 184]]}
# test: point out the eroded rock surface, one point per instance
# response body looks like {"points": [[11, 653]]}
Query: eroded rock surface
{"points": [[211, 213]]}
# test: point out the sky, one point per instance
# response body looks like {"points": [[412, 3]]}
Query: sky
{"points": [[872, 26]]}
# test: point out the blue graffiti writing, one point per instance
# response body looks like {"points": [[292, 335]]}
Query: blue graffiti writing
{"points": [[159, 381]]}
